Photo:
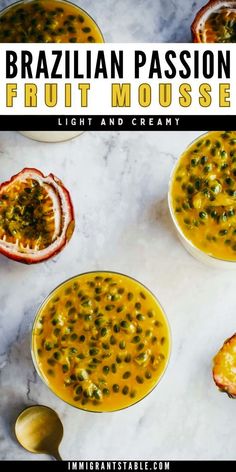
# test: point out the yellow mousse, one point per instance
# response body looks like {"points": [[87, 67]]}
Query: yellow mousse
{"points": [[47, 21], [203, 194], [101, 341]]}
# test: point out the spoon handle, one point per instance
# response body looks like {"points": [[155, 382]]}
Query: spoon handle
{"points": [[56, 456]]}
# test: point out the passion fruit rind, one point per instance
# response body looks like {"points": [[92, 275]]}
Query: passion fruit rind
{"points": [[202, 13], [224, 367], [62, 220]]}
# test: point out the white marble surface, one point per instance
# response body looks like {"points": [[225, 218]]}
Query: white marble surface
{"points": [[118, 182]]}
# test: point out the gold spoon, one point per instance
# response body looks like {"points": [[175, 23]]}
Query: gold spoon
{"points": [[39, 430]]}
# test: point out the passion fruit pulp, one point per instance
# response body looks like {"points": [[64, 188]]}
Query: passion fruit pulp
{"points": [[36, 217], [215, 23], [224, 367]]}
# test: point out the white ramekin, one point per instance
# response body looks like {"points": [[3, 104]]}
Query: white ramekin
{"points": [[51, 136]]}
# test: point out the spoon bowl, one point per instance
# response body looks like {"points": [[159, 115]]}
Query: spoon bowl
{"points": [[39, 430]]}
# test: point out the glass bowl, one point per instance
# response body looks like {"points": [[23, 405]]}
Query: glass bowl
{"points": [[197, 253], [54, 136], [156, 363]]}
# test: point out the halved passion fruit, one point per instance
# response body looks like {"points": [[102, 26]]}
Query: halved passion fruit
{"points": [[224, 367], [215, 23], [36, 217]]}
